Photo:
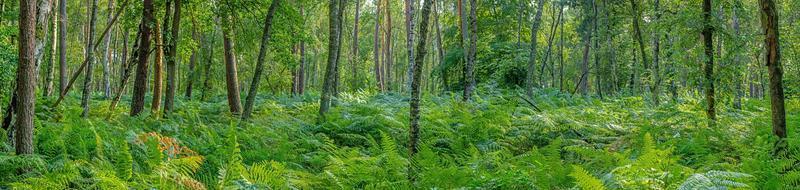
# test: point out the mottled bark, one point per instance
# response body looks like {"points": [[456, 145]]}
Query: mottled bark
{"points": [[413, 147], [769, 23], [409, 13], [158, 67], [48, 86], [708, 41], [531, 71], [87, 93], [172, 56], [328, 89], [107, 55], [251, 96]]}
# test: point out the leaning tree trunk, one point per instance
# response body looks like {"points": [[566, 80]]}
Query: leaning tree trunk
{"points": [[251, 96], [231, 73], [708, 42], [26, 78], [140, 86], [172, 55], [413, 147], [529, 83], [87, 82], [769, 23]]}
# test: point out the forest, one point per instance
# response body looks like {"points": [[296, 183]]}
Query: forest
{"points": [[400, 94]]}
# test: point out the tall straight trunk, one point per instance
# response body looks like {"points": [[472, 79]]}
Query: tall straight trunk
{"points": [[656, 40], [192, 62], [172, 56], [231, 72], [583, 79], [409, 13], [439, 46], [638, 34], [140, 86], [388, 48], [415, 88], [333, 47], [90, 61], [708, 41], [158, 67], [356, 59], [611, 51], [377, 49], [337, 71], [62, 46], [48, 87], [26, 78], [207, 69], [107, 55], [520, 12], [251, 96], [531, 71], [42, 25], [769, 23], [464, 40], [561, 57], [737, 100]]}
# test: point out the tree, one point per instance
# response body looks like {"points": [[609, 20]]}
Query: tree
{"points": [[377, 49], [231, 71], [87, 82], [172, 54], [638, 35], [192, 62], [26, 78], [656, 41], [107, 55], [62, 46], [769, 23], [413, 147], [333, 47], [140, 85], [251, 96], [708, 41], [409, 13], [158, 67], [529, 83], [48, 87]]}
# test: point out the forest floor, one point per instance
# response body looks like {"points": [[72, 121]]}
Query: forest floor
{"points": [[499, 141]]}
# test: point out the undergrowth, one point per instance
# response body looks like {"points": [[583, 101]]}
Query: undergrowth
{"points": [[498, 141]]}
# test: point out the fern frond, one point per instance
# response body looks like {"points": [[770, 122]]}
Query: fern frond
{"points": [[585, 180]]}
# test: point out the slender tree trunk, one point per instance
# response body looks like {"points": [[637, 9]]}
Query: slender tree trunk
{"points": [[140, 86], [333, 47], [415, 88], [107, 55], [464, 45], [207, 69], [42, 24], [611, 51], [125, 67], [90, 62], [439, 46], [192, 62], [26, 78], [656, 43], [769, 23], [583, 83], [530, 84], [62, 46], [356, 58], [377, 49], [388, 48], [158, 67], [409, 11], [737, 100], [251, 96], [556, 21], [172, 55], [48, 87], [561, 57], [638, 35], [708, 41]]}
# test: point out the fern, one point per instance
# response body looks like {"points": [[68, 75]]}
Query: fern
{"points": [[715, 180], [584, 180]]}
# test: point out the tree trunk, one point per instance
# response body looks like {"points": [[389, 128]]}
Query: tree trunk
{"points": [[656, 40], [125, 67], [769, 23], [62, 46], [107, 55], [463, 20], [207, 69], [251, 96], [377, 49], [409, 11], [42, 24], [26, 78], [90, 62], [158, 67], [638, 35], [737, 100], [140, 86], [415, 88], [356, 59], [531, 71], [328, 88], [556, 21], [192, 62], [561, 58], [48, 87], [708, 41], [231, 73], [388, 48], [172, 55]]}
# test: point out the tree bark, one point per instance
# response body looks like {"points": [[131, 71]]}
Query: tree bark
{"points": [[125, 67], [251, 96], [737, 100], [172, 55], [48, 87], [90, 62], [531, 71], [328, 89], [557, 21], [26, 78], [638, 34], [656, 43], [413, 147], [463, 20], [356, 58], [140, 86], [377, 49], [158, 67], [708, 41], [439, 46], [769, 23], [62, 46], [207, 69], [231, 72], [409, 11], [388, 48], [107, 55], [192, 62]]}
